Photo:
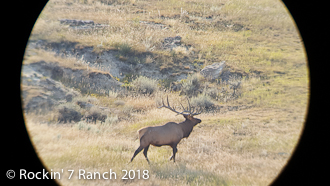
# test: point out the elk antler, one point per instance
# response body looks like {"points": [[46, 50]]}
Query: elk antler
{"points": [[191, 113], [169, 107]]}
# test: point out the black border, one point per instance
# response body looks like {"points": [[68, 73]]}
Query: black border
{"points": [[306, 167], [19, 18]]}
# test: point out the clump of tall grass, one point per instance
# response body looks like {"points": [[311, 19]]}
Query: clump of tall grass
{"points": [[123, 48], [112, 120], [113, 94], [83, 125], [181, 50], [127, 111]]}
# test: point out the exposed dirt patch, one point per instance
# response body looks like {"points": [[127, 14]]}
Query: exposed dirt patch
{"points": [[106, 60], [84, 80]]}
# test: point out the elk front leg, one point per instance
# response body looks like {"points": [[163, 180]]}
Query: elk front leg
{"points": [[175, 150]]}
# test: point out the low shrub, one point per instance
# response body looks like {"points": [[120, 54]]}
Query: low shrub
{"points": [[119, 102], [66, 114], [144, 85], [212, 92], [123, 48], [192, 85], [203, 101], [95, 114]]}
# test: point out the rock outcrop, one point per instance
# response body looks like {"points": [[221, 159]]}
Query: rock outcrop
{"points": [[40, 93], [213, 71], [82, 79], [78, 24]]}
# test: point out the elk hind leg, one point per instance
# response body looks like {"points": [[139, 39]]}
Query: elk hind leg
{"points": [[136, 152], [145, 151]]}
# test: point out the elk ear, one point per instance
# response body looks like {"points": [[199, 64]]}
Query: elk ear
{"points": [[185, 116]]}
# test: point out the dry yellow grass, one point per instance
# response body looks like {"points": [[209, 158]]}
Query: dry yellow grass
{"points": [[268, 28], [236, 148]]}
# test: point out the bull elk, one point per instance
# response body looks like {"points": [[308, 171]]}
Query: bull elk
{"points": [[169, 134]]}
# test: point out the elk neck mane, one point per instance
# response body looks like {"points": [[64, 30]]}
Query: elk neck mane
{"points": [[187, 126]]}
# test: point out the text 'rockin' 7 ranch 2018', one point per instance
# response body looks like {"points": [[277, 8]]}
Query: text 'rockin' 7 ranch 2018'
{"points": [[83, 174]]}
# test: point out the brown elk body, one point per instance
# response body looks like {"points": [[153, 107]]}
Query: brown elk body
{"points": [[169, 134]]}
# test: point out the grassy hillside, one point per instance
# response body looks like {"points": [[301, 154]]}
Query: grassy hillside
{"points": [[244, 139]]}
